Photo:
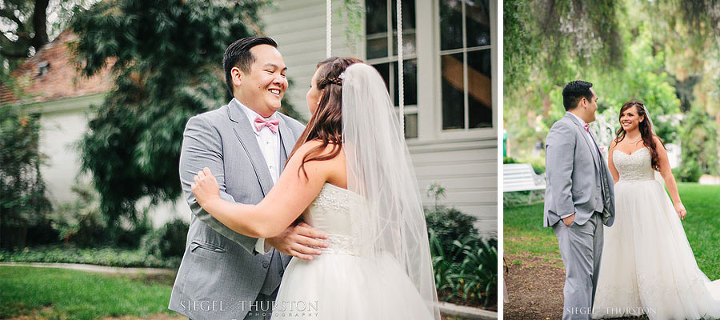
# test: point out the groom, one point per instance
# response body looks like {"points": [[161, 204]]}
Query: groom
{"points": [[579, 197], [223, 274]]}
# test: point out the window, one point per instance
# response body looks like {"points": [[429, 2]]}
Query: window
{"points": [[466, 68], [381, 47]]}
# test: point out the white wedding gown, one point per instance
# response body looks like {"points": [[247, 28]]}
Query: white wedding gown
{"points": [[647, 264], [343, 283]]}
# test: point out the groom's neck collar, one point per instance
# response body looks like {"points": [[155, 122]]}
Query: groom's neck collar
{"points": [[577, 112], [245, 106]]}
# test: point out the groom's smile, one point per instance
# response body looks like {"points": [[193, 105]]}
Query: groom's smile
{"points": [[263, 86]]}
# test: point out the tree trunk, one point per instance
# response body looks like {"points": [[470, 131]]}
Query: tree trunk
{"points": [[39, 21]]}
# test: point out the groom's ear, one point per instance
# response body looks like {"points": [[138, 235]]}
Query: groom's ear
{"points": [[236, 75]]}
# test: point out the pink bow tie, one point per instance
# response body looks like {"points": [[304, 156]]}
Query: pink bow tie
{"points": [[272, 124], [587, 127]]}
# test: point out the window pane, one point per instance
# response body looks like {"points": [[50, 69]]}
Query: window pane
{"points": [[384, 70], [375, 16], [450, 24], [377, 48], [410, 80], [411, 126], [408, 42], [479, 89], [453, 105], [408, 14], [477, 15]]}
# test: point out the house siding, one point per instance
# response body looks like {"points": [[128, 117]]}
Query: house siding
{"points": [[466, 165]]}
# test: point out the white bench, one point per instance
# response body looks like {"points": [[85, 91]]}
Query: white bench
{"points": [[521, 177]]}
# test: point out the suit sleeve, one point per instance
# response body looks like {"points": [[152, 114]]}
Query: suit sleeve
{"points": [[201, 147], [560, 154]]}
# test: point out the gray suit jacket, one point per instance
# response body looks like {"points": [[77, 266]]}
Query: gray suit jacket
{"points": [[221, 274], [578, 180]]}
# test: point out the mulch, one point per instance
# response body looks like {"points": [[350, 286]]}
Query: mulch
{"points": [[535, 287]]}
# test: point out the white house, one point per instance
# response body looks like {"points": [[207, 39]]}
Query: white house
{"points": [[450, 62], [451, 65]]}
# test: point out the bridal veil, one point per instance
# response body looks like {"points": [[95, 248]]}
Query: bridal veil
{"points": [[379, 168]]}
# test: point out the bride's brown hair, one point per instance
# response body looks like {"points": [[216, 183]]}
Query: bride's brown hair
{"points": [[646, 131], [326, 123]]}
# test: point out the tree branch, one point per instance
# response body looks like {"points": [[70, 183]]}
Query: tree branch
{"points": [[9, 14], [13, 49]]}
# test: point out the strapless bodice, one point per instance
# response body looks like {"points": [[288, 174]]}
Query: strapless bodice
{"points": [[635, 166], [331, 213]]}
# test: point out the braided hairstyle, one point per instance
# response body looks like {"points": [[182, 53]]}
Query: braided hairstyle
{"points": [[326, 123]]}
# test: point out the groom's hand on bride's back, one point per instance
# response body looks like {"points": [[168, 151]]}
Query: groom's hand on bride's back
{"points": [[300, 241]]}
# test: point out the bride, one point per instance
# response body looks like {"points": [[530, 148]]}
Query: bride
{"points": [[648, 266], [351, 178]]}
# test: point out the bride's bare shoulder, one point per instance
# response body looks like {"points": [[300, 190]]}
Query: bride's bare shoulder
{"points": [[613, 144], [330, 161], [316, 150]]}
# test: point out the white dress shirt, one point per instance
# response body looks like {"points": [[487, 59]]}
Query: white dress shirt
{"points": [[269, 143]]}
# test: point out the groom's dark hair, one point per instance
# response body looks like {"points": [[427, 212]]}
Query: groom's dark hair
{"points": [[574, 91], [238, 55]]}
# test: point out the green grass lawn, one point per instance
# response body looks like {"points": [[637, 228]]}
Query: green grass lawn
{"points": [[71, 294], [524, 232]]}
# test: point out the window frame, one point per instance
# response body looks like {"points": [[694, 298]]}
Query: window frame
{"points": [[391, 33], [429, 84], [489, 132]]}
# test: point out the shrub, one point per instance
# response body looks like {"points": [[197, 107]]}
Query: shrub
{"points": [[23, 203], [465, 265], [80, 222], [168, 241], [467, 271], [114, 257], [699, 141], [449, 224]]}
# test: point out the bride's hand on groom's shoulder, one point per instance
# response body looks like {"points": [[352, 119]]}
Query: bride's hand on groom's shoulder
{"points": [[680, 209], [205, 187], [300, 241]]}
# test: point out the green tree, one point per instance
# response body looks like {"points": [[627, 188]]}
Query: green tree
{"points": [[643, 78], [26, 28], [552, 39], [22, 191], [699, 142], [167, 66]]}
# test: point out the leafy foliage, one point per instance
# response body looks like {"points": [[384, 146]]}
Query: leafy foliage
{"points": [[520, 44], [168, 241], [23, 202], [531, 110], [465, 265], [556, 38], [699, 141], [26, 28], [114, 257], [165, 58], [80, 222]]}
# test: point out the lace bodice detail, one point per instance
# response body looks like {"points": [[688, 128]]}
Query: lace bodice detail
{"points": [[330, 213], [635, 166]]}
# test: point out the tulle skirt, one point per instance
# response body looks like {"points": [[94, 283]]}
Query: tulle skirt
{"points": [[647, 264], [343, 286]]}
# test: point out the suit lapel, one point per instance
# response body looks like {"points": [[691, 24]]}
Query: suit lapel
{"points": [[588, 140], [287, 137], [246, 135]]}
